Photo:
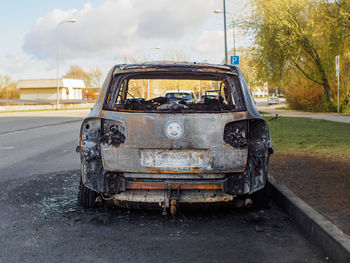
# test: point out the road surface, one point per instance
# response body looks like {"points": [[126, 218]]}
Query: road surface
{"points": [[38, 144]]}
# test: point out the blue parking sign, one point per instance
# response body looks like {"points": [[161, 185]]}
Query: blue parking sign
{"points": [[234, 60]]}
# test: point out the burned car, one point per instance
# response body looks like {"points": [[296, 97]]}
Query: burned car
{"points": [[138, 147]]}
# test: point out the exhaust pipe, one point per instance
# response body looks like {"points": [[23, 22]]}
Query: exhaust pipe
{"points": [[238, 203], [248, 202], [98, 200]]}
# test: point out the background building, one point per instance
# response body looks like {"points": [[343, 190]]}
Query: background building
{"points": [[46, 89], [261, 91]]}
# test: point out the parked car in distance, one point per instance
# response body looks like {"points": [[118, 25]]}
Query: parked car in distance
{"points": [[273, 100], [176, 96], [139, 148], [209, 94]]}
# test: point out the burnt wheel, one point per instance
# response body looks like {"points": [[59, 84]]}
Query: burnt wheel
{"points": [[86, 196], [262, 197]]}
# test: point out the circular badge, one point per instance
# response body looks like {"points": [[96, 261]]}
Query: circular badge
{"points": [[174, 130]]}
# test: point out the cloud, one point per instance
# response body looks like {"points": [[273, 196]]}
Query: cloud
{"points": [[118, 27], [23, 66], [209, 41]]}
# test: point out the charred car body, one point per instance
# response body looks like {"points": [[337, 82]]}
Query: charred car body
{"points": [[138, 147]]}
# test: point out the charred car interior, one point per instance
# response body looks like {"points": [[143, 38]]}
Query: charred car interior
{"points": [[149, 140], [133, 93]]}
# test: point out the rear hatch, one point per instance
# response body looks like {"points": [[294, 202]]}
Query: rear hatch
{"points": [[173, 143]]}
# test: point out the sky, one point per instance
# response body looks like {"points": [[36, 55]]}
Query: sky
{"points": [[111, 32]]}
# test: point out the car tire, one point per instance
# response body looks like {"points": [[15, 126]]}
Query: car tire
{"points": [[262, 197], [86, 196]]}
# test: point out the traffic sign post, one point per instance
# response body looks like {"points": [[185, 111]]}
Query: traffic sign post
{"points": [[337, 67], [337, 63], [234, 60]]}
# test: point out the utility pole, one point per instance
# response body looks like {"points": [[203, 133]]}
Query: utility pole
{"points": [[234, 38], [225, 31], [58, 60]]}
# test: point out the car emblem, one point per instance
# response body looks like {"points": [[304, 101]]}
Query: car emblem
{"points": [[174, 130]]}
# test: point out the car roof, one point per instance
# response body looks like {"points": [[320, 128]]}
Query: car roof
{"points": [[174, 66]]}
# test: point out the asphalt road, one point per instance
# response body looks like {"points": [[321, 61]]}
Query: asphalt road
{"points": [[38, 144], [41, 222]]}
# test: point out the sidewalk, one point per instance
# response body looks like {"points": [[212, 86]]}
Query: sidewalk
{"points": [[273, 110]]}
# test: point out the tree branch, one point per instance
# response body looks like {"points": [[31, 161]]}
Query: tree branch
{"points": [[305, 74]]}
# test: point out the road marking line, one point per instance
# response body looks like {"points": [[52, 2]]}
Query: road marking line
{"points": [[6, 147]]}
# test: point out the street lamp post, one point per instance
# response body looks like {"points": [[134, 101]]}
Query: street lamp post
{"points": [[234, 38], [58, 59], [225, 31], [225, 28]]}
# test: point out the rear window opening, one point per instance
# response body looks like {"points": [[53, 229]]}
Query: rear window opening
{"points": [[174, 93]]}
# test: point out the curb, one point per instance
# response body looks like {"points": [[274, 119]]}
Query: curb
{"points": [[316, 227]]}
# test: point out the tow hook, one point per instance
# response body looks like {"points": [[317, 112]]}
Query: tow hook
{"points": [[248, 202], [99, 200], [173, 207], [174, 195]]}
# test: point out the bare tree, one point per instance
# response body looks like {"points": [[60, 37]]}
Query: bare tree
{"points": [[96, 78]]}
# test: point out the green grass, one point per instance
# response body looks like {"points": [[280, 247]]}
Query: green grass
{"points": [[310, 136]]}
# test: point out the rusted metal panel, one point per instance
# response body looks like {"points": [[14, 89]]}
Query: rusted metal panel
{"points": [[164, 176], [174, 185], [125, 159], [157, 196], [201, 131], [167, 66], [148, 149], [161, 197]]}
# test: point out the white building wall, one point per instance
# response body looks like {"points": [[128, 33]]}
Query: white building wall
{"points": [[38, 96], [71, 89], [261, 91]]}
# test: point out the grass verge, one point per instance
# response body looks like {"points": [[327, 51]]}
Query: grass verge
{"points": [[319, 138]]}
